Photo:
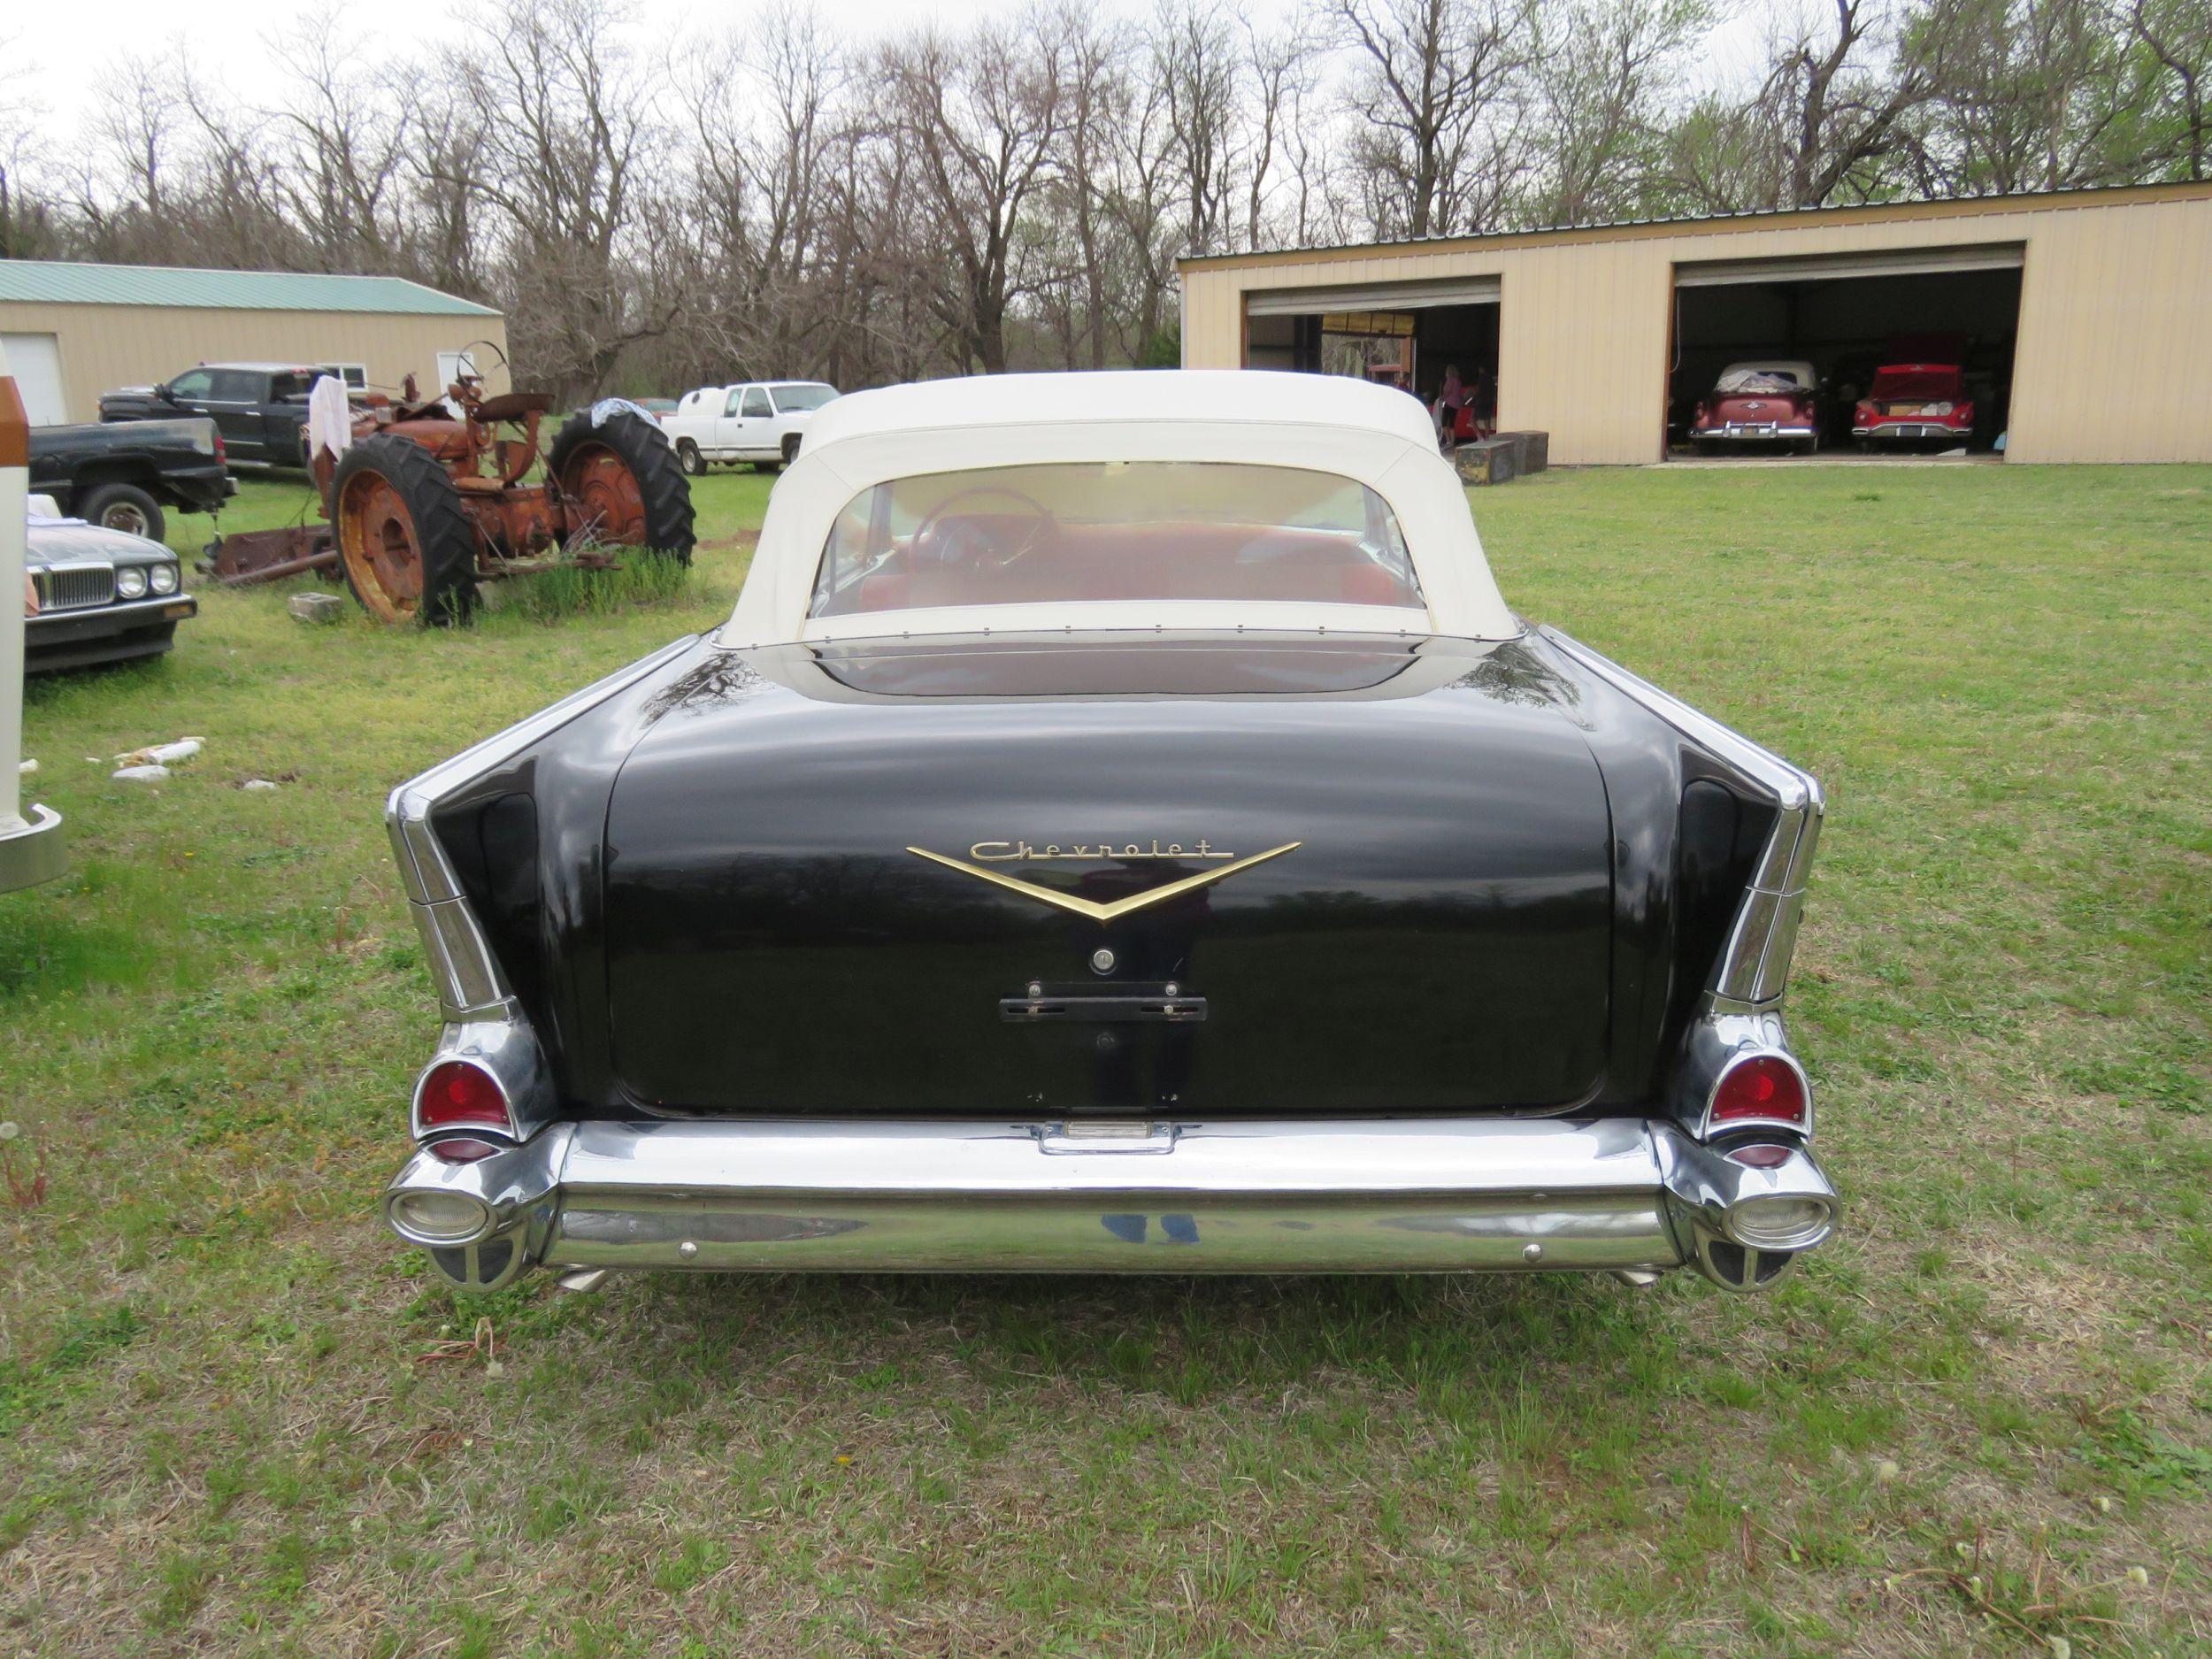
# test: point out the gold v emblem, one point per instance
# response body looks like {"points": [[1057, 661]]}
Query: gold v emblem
{"points": [[1120, 907]]}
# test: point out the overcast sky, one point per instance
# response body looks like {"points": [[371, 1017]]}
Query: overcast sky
{"points": [[62, 52]]}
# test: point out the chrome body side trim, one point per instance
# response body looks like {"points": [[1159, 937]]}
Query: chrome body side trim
{"points": [[469, 982], [1754, 963], [1381, 1197]]}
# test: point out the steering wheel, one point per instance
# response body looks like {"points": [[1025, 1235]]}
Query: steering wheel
{"points": [[983, 559]]}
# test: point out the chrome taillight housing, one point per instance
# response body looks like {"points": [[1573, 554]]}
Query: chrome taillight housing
{"points": [[1760, 1087], [458, 1103]]}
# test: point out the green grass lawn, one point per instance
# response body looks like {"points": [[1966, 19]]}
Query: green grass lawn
{"points": [[237, 1417]]}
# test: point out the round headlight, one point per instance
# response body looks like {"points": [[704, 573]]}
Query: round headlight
{"points": [[439, 1218], [1939, 408], [130, 582], [164, 579]]}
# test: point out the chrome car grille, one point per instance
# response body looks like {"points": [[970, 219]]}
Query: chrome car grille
{"points": [[74, 586]]}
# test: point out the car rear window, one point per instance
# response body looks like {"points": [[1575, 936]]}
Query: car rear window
{"points": [[1929, 382], [1071, 533], [793, 397]]}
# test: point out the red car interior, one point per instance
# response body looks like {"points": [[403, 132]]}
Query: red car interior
{"points": [[1012, 558]]}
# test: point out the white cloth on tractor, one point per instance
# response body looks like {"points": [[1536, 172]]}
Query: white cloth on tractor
{"points": [[329, 417]]}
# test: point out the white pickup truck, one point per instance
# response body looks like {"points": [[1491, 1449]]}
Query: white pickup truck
{"points": [[761, 421]]}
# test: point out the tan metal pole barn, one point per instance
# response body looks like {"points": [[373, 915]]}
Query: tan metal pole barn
{"points": [[2112, 358], [92, 328]]}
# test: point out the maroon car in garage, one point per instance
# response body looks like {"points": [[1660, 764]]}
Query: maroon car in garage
{"points": [[1765, 404], [1915, 403]]}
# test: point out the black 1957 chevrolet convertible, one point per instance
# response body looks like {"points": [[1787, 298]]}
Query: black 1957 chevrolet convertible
{"points": [[1121, 828]]}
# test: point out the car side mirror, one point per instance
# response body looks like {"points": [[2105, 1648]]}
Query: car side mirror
{"points": [[162, 391]]}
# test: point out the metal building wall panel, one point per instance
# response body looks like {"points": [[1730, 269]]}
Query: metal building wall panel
{"points": [[107, 346], [2113, 361]]}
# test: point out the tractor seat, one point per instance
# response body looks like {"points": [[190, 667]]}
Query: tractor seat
{"points": [[514, 405]]}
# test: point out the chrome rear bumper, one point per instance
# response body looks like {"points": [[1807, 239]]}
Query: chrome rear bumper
{"points": [[1629, 1195]]}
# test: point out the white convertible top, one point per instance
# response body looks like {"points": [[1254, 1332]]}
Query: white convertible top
{"points": [[1373, 434]]}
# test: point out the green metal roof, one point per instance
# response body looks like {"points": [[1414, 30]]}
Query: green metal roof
{"points": [[62, 282]]}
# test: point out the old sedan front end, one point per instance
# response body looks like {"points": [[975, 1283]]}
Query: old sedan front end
{"points": [[1107, 842], [103, 596]]}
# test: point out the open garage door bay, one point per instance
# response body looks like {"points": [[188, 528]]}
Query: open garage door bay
{"points": [[1955, 310], [1419, 335]]}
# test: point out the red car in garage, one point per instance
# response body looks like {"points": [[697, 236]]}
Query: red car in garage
{"points": [[1765, 404], [1914, 402]]}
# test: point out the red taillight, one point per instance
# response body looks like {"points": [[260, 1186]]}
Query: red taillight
{"points": [[1764, 1088], [462, 1148], [455, 1094], [222, 455], [1758, 1157]]}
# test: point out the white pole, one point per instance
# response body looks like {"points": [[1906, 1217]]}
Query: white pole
{"points": [[30, 845], [15, 482]]}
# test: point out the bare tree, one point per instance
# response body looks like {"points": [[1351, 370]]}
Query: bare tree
{"points": [[341, 139], [1280, 66], [1440, 91], [1835, 113], [1603, 90], [27, 230], [2177, 34], [561, 138], [765, 109], [1097, 101], [1195, 58], [982, 118]]}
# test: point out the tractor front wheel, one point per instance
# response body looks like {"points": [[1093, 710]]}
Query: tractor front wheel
{"points": [[405, 542], [626, 484]]}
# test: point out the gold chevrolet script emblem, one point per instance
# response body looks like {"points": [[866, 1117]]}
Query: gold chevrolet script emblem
{"points": [[1091, 908]]}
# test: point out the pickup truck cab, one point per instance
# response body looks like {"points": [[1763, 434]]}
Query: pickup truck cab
{"points": [[761, 421], [259, 408]]}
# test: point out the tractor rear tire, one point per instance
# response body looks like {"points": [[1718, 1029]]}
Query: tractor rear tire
{"points": [[406, 544], [629, 483]]}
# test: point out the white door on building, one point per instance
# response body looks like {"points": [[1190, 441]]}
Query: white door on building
{"points": [[452, 366], [35, 362]]}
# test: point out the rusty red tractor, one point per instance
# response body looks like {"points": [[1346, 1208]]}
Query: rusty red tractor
{"points": [[425, 505]]}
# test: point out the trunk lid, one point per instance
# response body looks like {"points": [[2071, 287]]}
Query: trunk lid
{"points": [[1391, 864]]}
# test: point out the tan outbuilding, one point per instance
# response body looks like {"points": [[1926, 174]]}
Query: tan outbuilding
{"points": [[72, 331], [2083, 319]]}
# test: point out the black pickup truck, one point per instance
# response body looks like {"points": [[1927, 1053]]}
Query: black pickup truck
{"points": [[259, 408], [122, 476]]}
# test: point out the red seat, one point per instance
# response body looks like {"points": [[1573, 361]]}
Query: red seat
{"points": [[1370, 584], [883, 591]]}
